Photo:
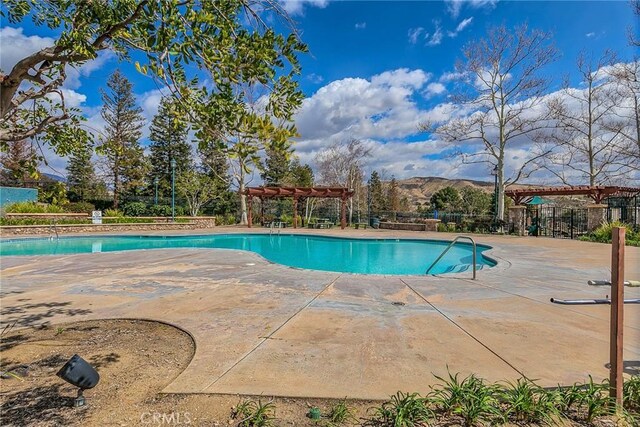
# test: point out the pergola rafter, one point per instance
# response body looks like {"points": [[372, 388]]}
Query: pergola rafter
{"points": [[341, 193], [597, 193]]}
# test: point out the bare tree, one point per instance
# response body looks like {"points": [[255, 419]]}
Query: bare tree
{"points": [[634, 39], [340, 164], [586, 134], [502, 95], [626, 77]]}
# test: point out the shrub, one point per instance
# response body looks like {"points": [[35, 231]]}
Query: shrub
{"points": [[527, 402], [113, 213], [160, 210], [603, 234], [471, 399], [341, 413], [442, 228], [33, 207], [79, 207], [135, 209], [402, 410], [631, 393], [251, 413]]}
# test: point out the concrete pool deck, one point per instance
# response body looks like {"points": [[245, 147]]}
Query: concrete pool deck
{"points": [[263, 328]]}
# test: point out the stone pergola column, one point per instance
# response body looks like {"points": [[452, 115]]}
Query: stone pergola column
{"points": [[596, 214], [295, 212], [517, 218]]}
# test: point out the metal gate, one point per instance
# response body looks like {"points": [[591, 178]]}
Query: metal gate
{"points": [[624, 209], [551, 221]]}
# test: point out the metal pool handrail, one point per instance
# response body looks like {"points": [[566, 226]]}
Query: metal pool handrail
{"points": [[447, 250]]}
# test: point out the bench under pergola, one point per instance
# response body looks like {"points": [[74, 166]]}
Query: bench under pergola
{"points": [[597, 193], [296, 193]]}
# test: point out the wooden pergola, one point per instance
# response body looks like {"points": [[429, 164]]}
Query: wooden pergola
{"points": [[597, 193], [296, 193]]}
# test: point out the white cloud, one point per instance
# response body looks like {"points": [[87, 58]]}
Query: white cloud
{"points": [[414, 34], [436, 37], [455, 6], [591, 34], [315, 78], [434, 89], [383, 112], [451, 76], [401, 77], [15, 45], [361, 25], [296, 7], [461, 26]]}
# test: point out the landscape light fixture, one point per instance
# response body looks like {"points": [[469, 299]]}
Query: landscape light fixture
{"points": [[80, 373], [155, 181], [173, 190]]}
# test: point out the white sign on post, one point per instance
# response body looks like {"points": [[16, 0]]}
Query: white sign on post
{"points": [[96, 217]]}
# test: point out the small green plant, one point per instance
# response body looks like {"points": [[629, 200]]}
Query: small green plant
{"points": [[567, 398], [470, 398], [402, 410], [593, 398], [113, 213], [631, 394], [251, 413], [341, 413], [59, 330], [526, 401]]}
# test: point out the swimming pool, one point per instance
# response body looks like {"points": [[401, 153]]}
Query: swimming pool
{"points": [[348, 255]]}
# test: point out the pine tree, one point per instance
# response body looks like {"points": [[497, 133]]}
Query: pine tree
{"points": [[276, 168], [123, 154], [393, 196], [378, 201], [215, 165], [81, 179], [168, 141], [16, 164]]}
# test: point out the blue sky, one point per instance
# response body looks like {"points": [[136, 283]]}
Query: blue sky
{"points": [[376, 68]]}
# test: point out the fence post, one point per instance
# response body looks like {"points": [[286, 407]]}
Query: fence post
{"points": [[616, 348], [571, 224]]}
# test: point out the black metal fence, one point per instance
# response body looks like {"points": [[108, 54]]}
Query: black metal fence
{"points": [[552, 221]]}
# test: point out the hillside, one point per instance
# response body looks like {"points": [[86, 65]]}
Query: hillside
{"points": [[419, 189]]}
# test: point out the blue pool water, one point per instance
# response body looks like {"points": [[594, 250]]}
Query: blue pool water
{"points": [[365, 256]]}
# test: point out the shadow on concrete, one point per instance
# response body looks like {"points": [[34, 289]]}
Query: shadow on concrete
{"points": [[631, 367], [30, 314]]}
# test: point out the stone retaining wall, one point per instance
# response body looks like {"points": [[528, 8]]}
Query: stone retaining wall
{"points": [[429, 225], [20, 230]]}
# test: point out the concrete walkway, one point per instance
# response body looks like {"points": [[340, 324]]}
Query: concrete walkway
{"points": [[264, 328]]}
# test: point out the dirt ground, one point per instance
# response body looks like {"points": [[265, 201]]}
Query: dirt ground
{"points": [[135, 360]]}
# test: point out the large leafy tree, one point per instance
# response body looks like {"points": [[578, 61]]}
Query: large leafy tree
{"points": [[123, 156], [227, 40], [447, 198], [168, 135]]}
